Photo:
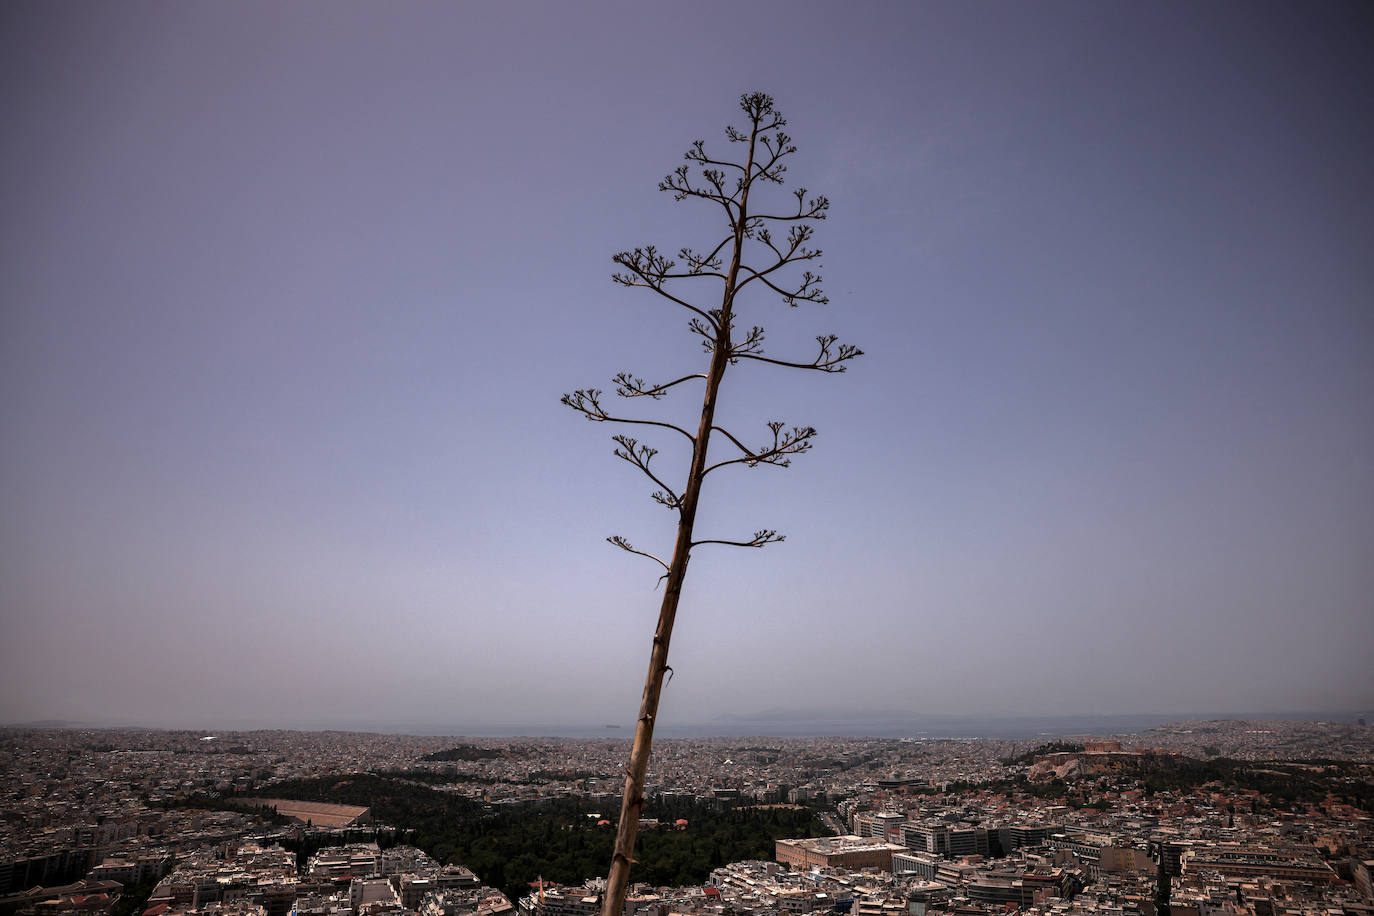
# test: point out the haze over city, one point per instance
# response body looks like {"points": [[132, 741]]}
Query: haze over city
{"points": [[291, 291]]}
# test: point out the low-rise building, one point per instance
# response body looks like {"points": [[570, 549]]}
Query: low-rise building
{"points": [[851, 852]]}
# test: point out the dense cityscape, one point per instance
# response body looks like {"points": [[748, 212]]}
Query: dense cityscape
{"points": [[1215, 817]]}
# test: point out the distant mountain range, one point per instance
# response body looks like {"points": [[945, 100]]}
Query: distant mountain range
{"points": [[902, 724]]}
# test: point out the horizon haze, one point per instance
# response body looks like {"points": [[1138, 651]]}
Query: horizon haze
{"points": [[773, 723]]}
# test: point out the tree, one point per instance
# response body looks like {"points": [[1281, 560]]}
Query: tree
{"points": [[782, 239]]}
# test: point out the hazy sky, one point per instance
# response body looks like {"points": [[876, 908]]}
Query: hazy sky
{"points": [[290, 292]]}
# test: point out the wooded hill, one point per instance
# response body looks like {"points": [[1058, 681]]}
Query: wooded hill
{"points": [[559, 839]]}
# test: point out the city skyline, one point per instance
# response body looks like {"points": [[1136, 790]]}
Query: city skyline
{"points": [[291, 293]]}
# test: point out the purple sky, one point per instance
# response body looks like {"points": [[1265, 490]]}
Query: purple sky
{"points": [[290, 292]]}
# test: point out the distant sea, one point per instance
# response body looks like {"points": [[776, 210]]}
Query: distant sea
{"points": [[792, 724]]}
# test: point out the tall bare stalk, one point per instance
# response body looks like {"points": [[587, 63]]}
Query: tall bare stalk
{"points": [[729, 185]]}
